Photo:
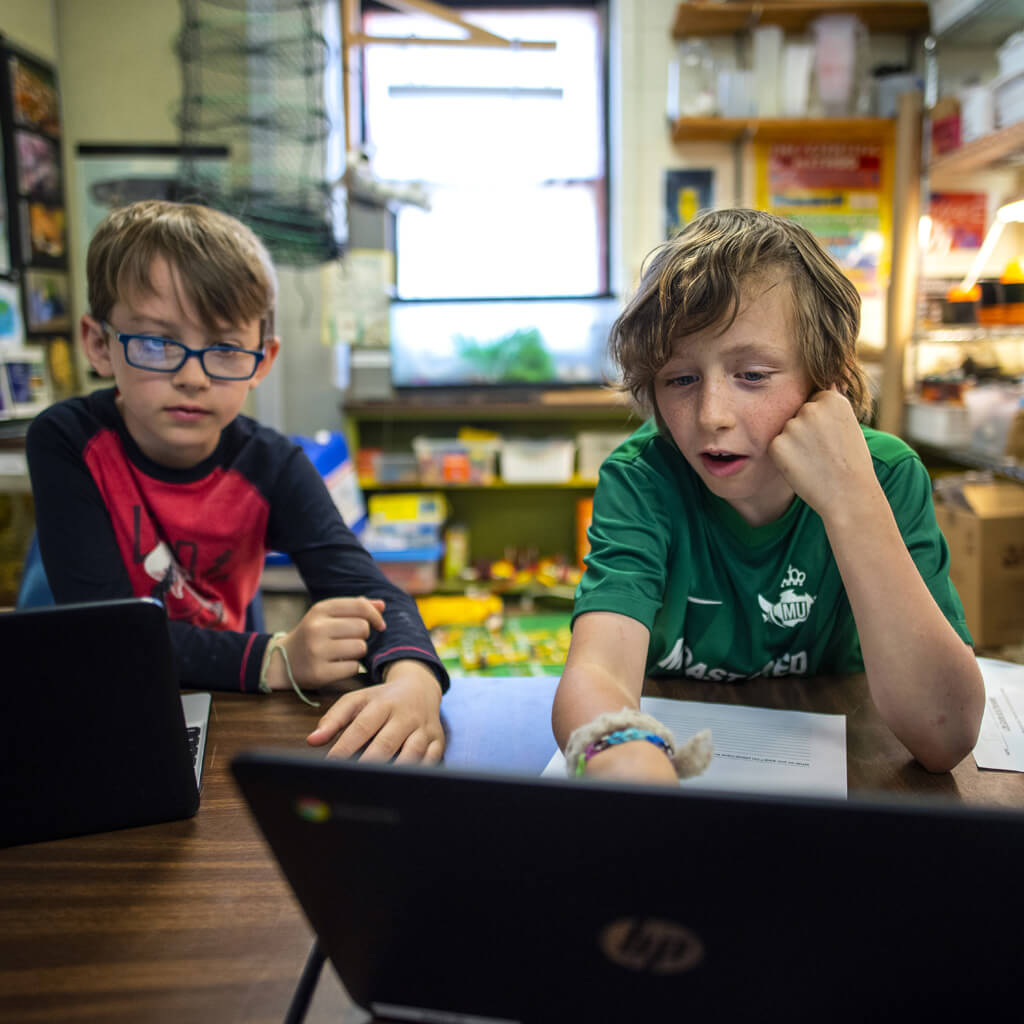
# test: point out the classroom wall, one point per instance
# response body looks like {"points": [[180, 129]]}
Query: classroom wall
{"points": [[32, 25]]}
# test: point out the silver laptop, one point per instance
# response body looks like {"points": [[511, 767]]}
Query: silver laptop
{"points": [[447, 896], [94, 732]]}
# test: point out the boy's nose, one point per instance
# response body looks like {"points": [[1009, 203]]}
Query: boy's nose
{"points": [[191, 373], [715, 410]]}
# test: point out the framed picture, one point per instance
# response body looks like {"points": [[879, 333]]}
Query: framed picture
{"points": [[59, 362], [687, 192], [38, 171], [26, 380], [12, 330], [47, 301], [34, 99], [44, 233]]}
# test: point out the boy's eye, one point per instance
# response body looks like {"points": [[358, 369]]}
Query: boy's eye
{"points": [[682, 380], [753, 376]]}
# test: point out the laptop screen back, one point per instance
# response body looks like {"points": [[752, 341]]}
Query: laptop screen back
{"points": [[92, 734], [513, 899]]}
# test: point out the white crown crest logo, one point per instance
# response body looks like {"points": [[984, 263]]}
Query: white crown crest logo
{"points": [[794, 578]]}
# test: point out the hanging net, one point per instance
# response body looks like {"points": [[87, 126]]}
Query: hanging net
{"points": [[254, 74]]}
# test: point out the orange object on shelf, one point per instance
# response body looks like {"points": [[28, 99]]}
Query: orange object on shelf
{"points": [[584, 514], [1012, 280]]}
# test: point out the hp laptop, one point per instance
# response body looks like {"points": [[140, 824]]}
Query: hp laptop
{"points": [[446, 896], [94, 733]]}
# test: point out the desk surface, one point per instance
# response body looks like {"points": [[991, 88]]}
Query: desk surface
{"points": [[191, 920]]}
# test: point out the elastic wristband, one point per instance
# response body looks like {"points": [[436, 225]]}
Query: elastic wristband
{"points": [[277, 644], [613, 739]]}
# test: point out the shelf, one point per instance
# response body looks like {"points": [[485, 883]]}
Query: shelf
{"points": [[717, 19], [960, 335], [983, 23], [593, 404], [1002, 147], [1004, 466], [577, 483], [773, 129]]}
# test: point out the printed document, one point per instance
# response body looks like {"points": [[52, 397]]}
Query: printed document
{"points": [[762, 750], [1001, 740]]}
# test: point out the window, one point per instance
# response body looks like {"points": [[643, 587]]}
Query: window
{"points": [[510, 144]]}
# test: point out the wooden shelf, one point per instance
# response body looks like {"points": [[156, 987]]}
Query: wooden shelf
{"points": [[1005, 146], [577, 483], [772, 129], [595, 405], [717, 19]]}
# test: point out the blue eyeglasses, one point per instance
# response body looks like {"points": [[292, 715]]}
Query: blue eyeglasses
{"points": [[163, 355]]}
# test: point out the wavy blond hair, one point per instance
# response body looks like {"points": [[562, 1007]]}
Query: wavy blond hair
{"points": [[695, 281]]}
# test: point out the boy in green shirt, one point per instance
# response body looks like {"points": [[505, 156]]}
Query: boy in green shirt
{"points": [[755, 527]]}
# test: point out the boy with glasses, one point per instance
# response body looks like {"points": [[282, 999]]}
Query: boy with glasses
{"points": [[159, 487]]}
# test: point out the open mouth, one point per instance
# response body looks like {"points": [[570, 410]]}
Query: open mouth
{"points": [[722, 463]]}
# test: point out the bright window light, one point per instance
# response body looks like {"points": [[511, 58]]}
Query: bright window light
{"points": [[510, 146]]}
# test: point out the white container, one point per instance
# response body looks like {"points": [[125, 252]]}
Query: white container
{"points": [[938, 423], [735, 93], [768, 41], [594, 447], [838, 42], [977, 112], [1008, 96], [797, 60], [1011, 55], [537, 462]]}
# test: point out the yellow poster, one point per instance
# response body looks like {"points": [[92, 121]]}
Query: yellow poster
{"points": [[839, 191]]}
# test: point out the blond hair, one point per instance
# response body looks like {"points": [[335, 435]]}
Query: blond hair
{"points": [[224, 269], [695, 281]]}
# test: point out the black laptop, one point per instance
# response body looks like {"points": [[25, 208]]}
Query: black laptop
{"points": [[94, 733], [447, 896]]}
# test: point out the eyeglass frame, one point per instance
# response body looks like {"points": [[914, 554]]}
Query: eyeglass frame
{"points": [[124, 337]]}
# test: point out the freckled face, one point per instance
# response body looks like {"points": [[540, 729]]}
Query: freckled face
{"points": [[725, 396]]}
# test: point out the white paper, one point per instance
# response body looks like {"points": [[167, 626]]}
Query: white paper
{"points": [[1001, 740], [761, 750]]}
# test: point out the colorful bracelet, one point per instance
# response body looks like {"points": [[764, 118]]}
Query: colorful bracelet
{"points": [[613, 739]]}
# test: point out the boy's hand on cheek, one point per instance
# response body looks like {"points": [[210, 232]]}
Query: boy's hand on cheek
{"points": [[822, 453], [399, 718]]}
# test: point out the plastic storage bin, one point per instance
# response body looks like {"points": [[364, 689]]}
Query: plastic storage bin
{"points": [[453, 461], [537, 462], [412, 569], [594, 447]]}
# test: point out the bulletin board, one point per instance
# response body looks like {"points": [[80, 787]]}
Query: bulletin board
{"points": [[841, 192]]}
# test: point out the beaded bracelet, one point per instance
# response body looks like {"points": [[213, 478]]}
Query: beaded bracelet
{"points": [[688, 758], [613, 739], [277, 644]]}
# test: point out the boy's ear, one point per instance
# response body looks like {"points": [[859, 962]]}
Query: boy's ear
{"points": [[95, 345], [271, 347]]}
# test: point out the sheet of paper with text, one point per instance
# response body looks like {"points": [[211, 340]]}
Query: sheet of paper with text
{"points": [[760, 750]]}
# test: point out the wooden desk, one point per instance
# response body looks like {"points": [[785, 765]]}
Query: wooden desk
{"points": [[191, 921]]}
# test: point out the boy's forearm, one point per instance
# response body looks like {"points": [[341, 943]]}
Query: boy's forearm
{"points": [[584, 693], [923, 678]]}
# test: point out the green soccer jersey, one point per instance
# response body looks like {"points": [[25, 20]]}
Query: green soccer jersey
{"points": [[726, 600]]}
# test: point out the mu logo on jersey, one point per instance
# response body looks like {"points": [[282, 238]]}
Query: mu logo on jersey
{"points": [[792, 608]]}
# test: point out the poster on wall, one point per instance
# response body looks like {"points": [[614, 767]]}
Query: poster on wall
{"points": [[840, 192], [687, 193], [959, 221]]}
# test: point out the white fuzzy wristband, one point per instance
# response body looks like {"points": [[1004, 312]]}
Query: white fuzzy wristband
{"points": [[691, 758]]}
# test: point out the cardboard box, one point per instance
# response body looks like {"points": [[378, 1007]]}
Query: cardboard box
{"points": [[985, 533]]}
